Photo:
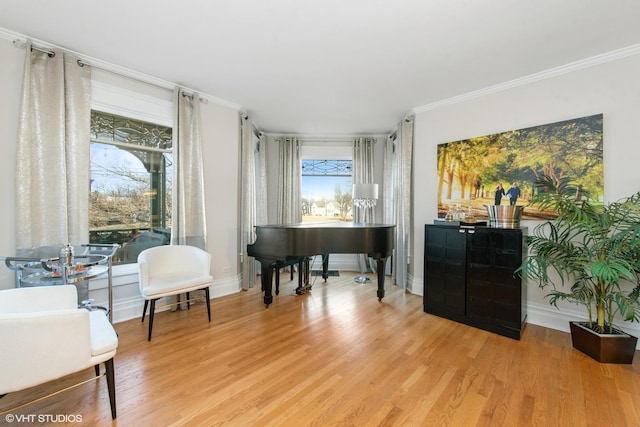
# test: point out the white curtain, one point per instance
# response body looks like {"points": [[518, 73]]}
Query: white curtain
{"points": [[262, 208], [389, 166], [363, 162], [289, 182], [248, 201], [52, 159], [188, 222], [403, 196]]}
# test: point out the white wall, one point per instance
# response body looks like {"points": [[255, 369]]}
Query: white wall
{"points": [[221, 139], [611, 88], [221, 149]]}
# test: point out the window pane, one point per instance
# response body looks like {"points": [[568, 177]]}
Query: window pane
{"points": [[326, 190], [131, 171]]}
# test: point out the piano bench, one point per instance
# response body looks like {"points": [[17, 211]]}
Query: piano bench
{"points": [[301, 262]]}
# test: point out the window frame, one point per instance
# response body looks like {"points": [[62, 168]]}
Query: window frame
{"points": [[326, 150], [123, 96]]}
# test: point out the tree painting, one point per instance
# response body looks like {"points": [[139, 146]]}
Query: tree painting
{"points": [[470, 170]]}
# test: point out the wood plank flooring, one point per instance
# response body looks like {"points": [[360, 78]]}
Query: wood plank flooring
{"points": [[338, 357]]}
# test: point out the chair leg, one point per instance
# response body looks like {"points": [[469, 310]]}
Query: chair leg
{"points": [[206, 296], [97, 369], [111, 385], [144, 310], [188, 304], [151, 313]]}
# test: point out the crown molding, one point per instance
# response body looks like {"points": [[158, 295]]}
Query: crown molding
{"points": [[19, 40], [553, 72]]}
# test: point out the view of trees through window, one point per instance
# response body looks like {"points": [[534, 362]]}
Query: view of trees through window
{"points": [[131, 170], [326, 190]]}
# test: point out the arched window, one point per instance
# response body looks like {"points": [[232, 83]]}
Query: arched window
{"points": [[131, 171]]}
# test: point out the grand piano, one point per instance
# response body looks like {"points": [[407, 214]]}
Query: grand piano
{"points": [[280, 243]]}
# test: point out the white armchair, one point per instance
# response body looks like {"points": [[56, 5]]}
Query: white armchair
{"points": [[172, 270], [45, 336]]}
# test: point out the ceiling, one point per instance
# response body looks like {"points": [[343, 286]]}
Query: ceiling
{"points": [[331, 67]]}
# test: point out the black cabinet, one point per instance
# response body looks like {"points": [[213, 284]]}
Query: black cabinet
{"points": [[468, 276]]}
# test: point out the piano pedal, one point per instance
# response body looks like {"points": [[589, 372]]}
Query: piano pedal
{"points": [[303, 290]]}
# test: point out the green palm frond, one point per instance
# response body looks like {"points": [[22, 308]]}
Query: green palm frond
{"points": [[593, 248]]}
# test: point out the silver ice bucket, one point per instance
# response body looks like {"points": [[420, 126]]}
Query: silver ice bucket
{"points": [[504, 216]]}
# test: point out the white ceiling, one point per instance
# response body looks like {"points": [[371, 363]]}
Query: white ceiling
{"points": [[331, 66]]}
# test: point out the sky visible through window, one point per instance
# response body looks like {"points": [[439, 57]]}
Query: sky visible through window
{"points": [[324, 187], [105, 159]]}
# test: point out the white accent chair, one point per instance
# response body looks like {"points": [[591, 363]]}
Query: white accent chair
{"points": [[45, 336], [173, 270]]}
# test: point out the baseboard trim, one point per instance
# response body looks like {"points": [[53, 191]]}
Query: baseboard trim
{"points": [[546, 315]]}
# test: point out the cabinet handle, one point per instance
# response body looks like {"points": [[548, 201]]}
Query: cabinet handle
{"points": [[460, 230], [472, 231]]}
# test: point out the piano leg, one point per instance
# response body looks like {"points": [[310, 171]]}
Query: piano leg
{"points": [[303, 277], [380, 267], [325, 266], [307, 272], [300, 273], [267, 279]]}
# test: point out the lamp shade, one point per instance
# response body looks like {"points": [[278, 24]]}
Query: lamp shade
{"points": [[365, 192]]}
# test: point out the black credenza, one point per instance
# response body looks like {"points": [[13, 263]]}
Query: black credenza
{"points": [[469, 276]]}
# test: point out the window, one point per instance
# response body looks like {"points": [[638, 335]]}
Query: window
{"points": [[131, 171], [326, 190]]}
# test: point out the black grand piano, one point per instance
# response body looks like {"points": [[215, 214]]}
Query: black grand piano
{"points": [[280, 243]]}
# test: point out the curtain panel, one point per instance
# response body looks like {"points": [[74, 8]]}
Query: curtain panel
{"points": [[248, 201], [389, 167], [53, 154], [188, 224], [262, 207], [289, 181], [403, 207]]}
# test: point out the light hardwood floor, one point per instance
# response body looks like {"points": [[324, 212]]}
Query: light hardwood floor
{"points": [[338, 357]]}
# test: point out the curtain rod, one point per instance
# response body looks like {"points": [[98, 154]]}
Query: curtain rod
{"points": [[20, 44], [82, 62], [163, 84], [326, 137], [302, 139], [49, 53]]}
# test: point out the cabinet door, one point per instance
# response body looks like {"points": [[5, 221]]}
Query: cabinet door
{"points": [[444, 271], [493, 293]]}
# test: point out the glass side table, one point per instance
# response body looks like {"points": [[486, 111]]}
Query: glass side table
{"points": [[92, 261]]}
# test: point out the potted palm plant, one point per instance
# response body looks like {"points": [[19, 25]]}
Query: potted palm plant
{"points": [[589, 255]]}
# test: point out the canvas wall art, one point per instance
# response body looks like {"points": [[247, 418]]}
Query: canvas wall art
{"points": [[503, 168]]}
